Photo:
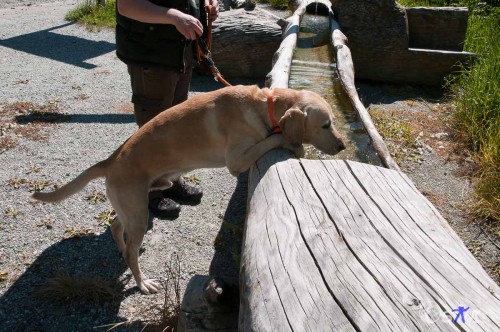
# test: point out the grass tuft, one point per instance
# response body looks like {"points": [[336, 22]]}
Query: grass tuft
{"points": [[94, 16], [63, 288]]}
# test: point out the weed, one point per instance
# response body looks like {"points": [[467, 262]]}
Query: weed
{"points": [[96, 197], [397, 131], [106, 218], [33, 185], [93, 15], [34, 169], [63, 288], [168, 314], [193, 179], [77, 233], [7, 143], [281, 4], [4, 275], [18, 182], [38, 185], [27, 120], [81, 96], [165, 315], [12, 213], [47, 223]]}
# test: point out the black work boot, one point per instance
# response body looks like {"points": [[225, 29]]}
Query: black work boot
{"points": [[184, 193], [164, 208]]}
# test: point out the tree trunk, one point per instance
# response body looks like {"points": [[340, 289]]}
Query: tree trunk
{"points": [[244, 42]]}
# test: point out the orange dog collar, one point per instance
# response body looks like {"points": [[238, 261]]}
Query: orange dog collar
{"points": [[270, 110]]}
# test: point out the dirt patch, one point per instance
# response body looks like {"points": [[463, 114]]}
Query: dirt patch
{"points": [[28, 120]]}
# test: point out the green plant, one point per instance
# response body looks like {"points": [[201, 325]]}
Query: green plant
{"points": [[192, 178], [106, 217], [96, 197], [77, 233], [476, 94], [4, 275], [93, 15], [11, 212], [401, 138], [47, 223]]}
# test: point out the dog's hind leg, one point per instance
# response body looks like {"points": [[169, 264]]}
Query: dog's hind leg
{"points": [[131, 206], [117, 231]]}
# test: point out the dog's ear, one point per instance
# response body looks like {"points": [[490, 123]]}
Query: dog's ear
{"points": [[292, 125]]}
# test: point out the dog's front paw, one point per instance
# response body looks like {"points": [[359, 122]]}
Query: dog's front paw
{"points": [[149, 286]]}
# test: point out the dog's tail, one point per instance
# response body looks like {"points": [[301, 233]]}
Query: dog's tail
{"points": [[94, 172]]}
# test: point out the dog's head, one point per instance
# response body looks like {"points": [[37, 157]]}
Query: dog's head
{"points": [[310, 120]]}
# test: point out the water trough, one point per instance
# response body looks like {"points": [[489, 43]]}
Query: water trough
{"points": [[341, 245]]}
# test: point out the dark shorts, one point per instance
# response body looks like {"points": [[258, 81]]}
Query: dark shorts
{"points": [[155, 90]]}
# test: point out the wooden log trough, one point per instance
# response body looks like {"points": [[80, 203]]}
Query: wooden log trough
{"points": [[344, 246]]}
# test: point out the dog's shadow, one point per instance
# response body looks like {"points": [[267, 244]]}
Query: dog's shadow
{"points": [[225, 264], [32, 303]]}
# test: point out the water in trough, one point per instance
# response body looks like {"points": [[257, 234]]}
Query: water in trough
{"points": [[313, 68]]}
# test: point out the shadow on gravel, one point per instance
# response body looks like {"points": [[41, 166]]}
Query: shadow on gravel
{"points": [[64, 48], [386, 93], [82, 118], [92, 256], [226, 260]]}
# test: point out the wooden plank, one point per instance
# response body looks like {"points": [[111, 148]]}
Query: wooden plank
{"points": [[359, 244], [282, 289]]}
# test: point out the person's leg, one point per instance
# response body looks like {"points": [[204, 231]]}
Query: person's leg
{"points": [[153, 92], [181, 191]]}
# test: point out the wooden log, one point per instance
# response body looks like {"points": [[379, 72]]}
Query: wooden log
{"points": [[342, 246], [279, 75], [244, 41], [345, 69]]}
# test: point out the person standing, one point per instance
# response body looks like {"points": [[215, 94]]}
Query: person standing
{"points": [[155, 40]]}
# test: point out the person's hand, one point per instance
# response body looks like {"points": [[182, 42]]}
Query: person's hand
{"points": [[214, 13], [187, 25]]}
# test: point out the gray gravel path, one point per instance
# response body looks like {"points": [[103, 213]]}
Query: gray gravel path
{"points": [[44, 59]]}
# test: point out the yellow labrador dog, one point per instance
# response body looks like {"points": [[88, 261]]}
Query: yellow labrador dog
{"points": [[230, 127]]}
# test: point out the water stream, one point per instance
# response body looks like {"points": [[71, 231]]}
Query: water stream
{"points": [[313, 68]]}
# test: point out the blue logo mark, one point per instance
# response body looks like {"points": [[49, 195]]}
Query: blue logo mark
{"points": [[461, 311]]}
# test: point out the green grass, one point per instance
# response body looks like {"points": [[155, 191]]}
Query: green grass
{"points": [[280, 4], [94, 16], [476, 93]]}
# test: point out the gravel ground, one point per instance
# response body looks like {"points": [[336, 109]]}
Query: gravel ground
{"points": [[47, 61]]}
